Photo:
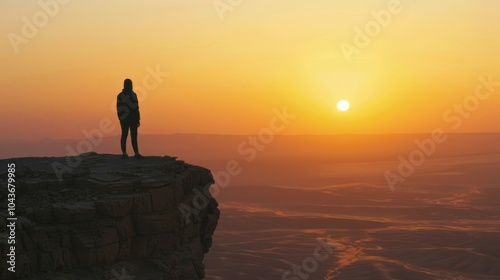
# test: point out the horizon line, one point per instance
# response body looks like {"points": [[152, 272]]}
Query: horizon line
{"points": [[232, 135]]}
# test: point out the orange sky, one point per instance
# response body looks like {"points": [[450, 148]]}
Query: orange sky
{"points": [[229, 67]]}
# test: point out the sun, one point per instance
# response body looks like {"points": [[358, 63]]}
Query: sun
{"points": [[343, 105]]}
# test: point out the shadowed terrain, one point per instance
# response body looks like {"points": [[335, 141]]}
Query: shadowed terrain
{"points": [[443, 222]]}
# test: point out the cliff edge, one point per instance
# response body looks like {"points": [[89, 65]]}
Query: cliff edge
{"points": [[98, 216]]}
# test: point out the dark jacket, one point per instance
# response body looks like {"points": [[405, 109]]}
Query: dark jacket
{"points": [[127, 107]]}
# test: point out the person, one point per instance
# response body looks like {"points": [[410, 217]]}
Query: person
{"points": [[127, 107]]}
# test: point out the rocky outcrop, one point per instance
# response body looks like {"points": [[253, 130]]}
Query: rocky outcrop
{"points": [[98, 216]]}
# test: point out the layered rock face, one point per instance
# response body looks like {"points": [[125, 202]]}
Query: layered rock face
{"points": [[98, 216]]}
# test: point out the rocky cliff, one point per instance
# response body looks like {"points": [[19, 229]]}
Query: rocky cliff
{"points": [[98, 216]]}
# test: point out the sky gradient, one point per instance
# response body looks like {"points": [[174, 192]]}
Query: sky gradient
{"points": [[202, 67]]}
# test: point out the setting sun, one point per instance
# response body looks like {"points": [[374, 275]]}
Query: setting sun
{"points": [[343, 105]]}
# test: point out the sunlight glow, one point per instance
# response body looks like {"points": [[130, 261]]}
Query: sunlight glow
{"points": [[343, 105]]}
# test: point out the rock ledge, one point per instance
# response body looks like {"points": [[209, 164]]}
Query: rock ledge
{"points": [[98, 216]]}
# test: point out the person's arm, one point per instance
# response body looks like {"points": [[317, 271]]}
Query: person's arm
{"points": [[118, 105], [138, 112]]}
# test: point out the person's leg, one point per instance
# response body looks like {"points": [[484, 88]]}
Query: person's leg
{"points": [[123, 141], [133, 135]]}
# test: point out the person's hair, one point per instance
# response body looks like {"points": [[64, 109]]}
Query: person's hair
{"points": [[127, 84]]}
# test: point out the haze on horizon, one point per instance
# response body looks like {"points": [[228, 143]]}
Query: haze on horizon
{"points": [[227, 73]]}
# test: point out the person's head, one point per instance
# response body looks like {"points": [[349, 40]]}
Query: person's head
{"points": [[127, 85]]}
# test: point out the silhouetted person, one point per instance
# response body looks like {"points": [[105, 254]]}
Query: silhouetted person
{"points": [[127, 107]]}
